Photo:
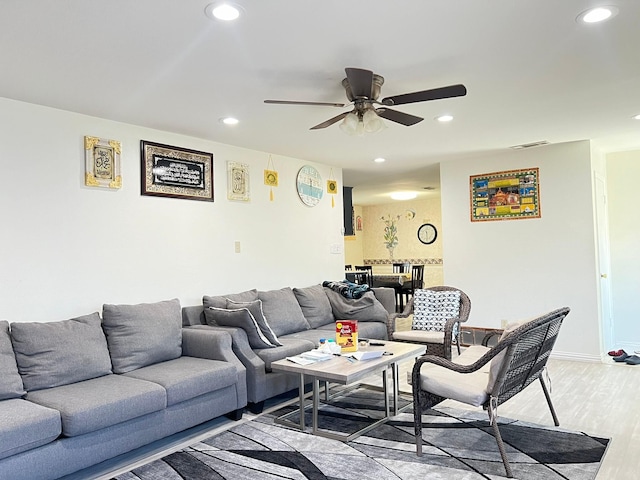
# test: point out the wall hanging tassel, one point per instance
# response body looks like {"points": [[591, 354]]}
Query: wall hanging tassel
{"points": [[270, 178]]}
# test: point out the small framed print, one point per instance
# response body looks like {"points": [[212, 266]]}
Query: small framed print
{"points": [[238, 181], [102, 163], [271, 178], [168, 171], [332, 187]]}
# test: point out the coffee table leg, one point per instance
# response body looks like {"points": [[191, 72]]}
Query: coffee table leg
{"points": [[301, 395], [394, 373], [316, 401], [385, 386]]}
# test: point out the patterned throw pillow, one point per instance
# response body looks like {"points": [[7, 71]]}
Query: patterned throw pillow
{"points": [[432, 309]]}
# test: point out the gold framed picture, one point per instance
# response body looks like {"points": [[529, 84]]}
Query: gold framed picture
{"points": [[176, 172], [102, 162], [271, 178]]}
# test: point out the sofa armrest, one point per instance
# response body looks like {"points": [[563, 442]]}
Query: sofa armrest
{"points": [[254, 365], [215, 345]]}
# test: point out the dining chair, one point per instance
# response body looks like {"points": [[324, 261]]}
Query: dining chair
{"points": [[404, 267], [347, 268], [417, 281], [368, 276]]}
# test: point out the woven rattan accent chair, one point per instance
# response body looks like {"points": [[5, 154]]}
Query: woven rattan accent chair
{"points": [[488, 377], [439, 341]]}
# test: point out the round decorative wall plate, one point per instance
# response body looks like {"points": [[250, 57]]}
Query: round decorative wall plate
{"points": [[427, 233], [309, 186]]}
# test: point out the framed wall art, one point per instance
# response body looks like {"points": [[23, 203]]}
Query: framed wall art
{"points": [[238, 181], [102, 162], [177, 172], [509, 195]]}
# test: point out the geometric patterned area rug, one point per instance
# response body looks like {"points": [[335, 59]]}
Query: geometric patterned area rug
{"points": [[458, 444]]}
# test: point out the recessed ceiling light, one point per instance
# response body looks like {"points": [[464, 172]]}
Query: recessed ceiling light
{"points": [[636, 117], [598, 14], [403, 195], [379, 160], [223, 11], [444, 118], [229, 121]]}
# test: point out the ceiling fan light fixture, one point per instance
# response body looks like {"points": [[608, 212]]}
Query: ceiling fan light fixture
{"points": [[372, 122], [350, 124]]}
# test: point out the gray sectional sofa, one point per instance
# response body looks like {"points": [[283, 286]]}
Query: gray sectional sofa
{"points": [[297, 318], [77, 392]]}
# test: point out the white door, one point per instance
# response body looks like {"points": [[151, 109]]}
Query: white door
{"points": [[602, 237]]}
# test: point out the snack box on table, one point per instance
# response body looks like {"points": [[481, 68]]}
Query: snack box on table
{"points": [[347, 335]]}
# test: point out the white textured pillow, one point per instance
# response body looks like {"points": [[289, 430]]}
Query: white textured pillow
{"points": [[432, 309]]}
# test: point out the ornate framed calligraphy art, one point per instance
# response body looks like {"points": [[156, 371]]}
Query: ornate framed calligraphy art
{"points": [[102, 162]]}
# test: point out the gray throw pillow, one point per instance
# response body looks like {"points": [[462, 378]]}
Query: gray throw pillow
{"points": [[220, 301], [242, 318], [143, 334], [258, 315], [364, 309], [283, 312], [10, 381], [315, 305], [59, 353]]}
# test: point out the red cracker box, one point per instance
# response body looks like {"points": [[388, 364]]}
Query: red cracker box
{"points": [[347, 335]]}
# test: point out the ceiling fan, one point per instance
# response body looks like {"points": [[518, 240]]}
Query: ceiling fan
{"points": [[362, 88]]}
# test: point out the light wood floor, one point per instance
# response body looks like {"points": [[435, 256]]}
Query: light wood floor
{"points": [[599, 399]]}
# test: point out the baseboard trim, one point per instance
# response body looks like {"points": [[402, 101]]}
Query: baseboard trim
{"points": [[576, 357]]}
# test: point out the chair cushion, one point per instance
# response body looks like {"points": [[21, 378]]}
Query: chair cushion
{"points": [[241, 318], [498, 360], [101, 402], [188, 377], [257, 311], [364, 309], [290, 346], [282, 311], [25, 425], [10, 381], [143, 334], [220, 301], [315, 305], [432, 309], [419, 336], [58, 353], [469, 388]]}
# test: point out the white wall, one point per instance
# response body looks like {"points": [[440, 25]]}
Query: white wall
{"points": [[516, 269], [623, 172], [66, 248]]}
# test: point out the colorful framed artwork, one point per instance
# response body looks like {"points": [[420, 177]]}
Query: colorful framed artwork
{"points": [[238, 181], [508, 195], [102, 163], [176, 172]]}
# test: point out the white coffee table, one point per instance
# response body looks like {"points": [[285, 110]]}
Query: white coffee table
{"points": [[342, 371]]}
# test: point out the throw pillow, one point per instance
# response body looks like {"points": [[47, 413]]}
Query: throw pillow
{"points": [[432, 309], [283, 311], [315, 305], [143, 334], [364, 309], [498, 360], [10, 381], [255, 308], [59, 353], [220, 301], [241, 318]]}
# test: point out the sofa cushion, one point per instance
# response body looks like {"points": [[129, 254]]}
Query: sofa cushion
{"points": [[257, 311], [101, 402], [241, 318], [58, 353], [315, 305], [188, 377], [282, 311], [143, 334], [10, 381], [290, 346], [220, 301], [25, 425], [432, 309], [364, 309]]}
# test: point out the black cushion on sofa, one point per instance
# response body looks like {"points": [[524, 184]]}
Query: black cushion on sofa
{"points": [[59, 353], [10, 381]]}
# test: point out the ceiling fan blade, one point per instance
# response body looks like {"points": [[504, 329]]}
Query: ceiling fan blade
{"points": [[425, 95], [293, 102], [360, 82], [398, 117], [330, 122]]}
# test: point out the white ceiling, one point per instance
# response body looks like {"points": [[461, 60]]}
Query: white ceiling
{"points": [[532, 73]]}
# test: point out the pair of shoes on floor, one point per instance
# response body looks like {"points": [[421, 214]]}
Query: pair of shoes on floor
{"points": [[632, 360], [622, 357], [616, 353]]}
